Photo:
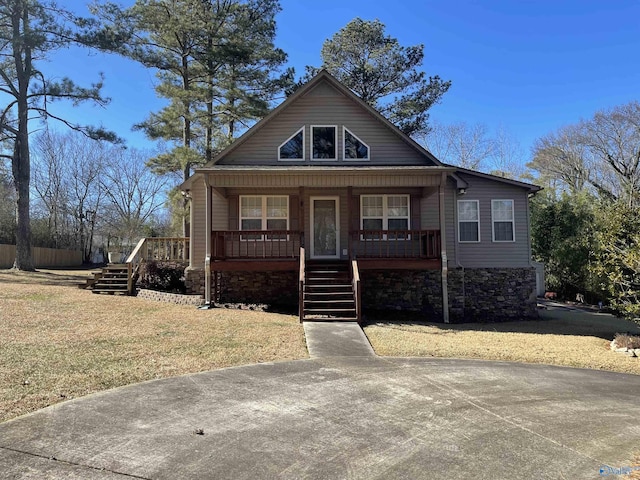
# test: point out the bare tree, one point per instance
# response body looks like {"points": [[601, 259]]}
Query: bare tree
{"points": [[29, 31], [507, 159], [613, 137], [601, 155], [562, 157], [460, 144], [49, 184], [133, 193]]}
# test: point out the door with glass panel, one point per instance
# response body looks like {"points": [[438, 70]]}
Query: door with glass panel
{"points": [[325, 232]]}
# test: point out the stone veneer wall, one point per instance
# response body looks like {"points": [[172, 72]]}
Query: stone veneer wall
{"points": [[411, 290], [194, 281], [492, 294], [271, 288], [477, 294]]}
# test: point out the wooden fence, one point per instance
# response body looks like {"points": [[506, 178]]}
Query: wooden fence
{"points": [[42, 257]]}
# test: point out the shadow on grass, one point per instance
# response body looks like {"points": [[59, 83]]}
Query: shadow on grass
{"points": [[53, 277], [554, 320]]}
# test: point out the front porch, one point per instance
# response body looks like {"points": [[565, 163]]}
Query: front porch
{"points": [[280, 249], [328, 288], [281, 218]]}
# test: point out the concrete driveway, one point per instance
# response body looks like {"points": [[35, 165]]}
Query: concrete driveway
{"points": [[358, 417]]}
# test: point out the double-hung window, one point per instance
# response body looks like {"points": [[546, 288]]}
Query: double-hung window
{"points": [[387, 213], [502, 218], [264, 213], [468, 221]]}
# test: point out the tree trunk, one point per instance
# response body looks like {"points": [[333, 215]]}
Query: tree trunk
{"points": [[21, 174], [186, 138], [21, 165]]}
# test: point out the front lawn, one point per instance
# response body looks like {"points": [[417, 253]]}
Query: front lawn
{"points": [[573, 338], [59, 342]]}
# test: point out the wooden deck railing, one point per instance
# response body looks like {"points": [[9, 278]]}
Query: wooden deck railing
{"points": [[357, 289], [255, 244], [301, 285], [170, 249], [395, 243]]}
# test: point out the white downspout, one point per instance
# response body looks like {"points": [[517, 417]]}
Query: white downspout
{"points": [[207, 253], [457, 251], [443, 249]]}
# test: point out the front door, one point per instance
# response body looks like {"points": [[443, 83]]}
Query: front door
{"points": [[325, 232]]}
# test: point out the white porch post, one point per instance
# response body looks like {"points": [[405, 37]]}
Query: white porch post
{"points": [[443, 248], [207, 254]]}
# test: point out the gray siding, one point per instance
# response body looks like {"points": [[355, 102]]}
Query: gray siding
{"points": [[219, 211], [430, 213], [488, 253], [198, 227], [324, 105]]}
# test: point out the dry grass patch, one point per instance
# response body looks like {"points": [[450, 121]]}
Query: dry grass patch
{"points": [[635, 464], [572, 338], [58, 342]]}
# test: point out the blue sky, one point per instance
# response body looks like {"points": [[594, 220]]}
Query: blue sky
{"points": [[526, 66]]}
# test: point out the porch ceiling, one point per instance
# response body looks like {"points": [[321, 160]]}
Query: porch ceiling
{"points": [[317, 176]]}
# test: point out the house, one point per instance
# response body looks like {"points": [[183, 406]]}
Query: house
{"points": [[324, 203]]}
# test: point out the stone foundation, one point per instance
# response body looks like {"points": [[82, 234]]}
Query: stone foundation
{"points": [[194, 281], [271, 288], [475, 294], [409, 290], [492, 294]]}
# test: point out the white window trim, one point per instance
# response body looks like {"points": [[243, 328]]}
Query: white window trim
{"points": [[469, 221], [513, 220], [301, 129], [335, 144], [344, 147], [263, 217], [385, 215]]}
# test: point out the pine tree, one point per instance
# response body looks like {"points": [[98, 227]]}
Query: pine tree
{"points": [[29, 31], [383, 73]]}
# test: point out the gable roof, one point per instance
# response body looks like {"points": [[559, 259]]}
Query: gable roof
{"points": [[325, 76], [516, 183]]}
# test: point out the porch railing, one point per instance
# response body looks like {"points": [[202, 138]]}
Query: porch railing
{"points": [[395, 243], [255, 244], [357, 289], [171, 249], [301, 279]]}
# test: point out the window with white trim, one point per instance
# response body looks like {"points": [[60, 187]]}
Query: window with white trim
{"points": [[502, 219], [264, 213], [354, 148], [468, 221], [293, 147], [324, 144], [385, 212]]}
